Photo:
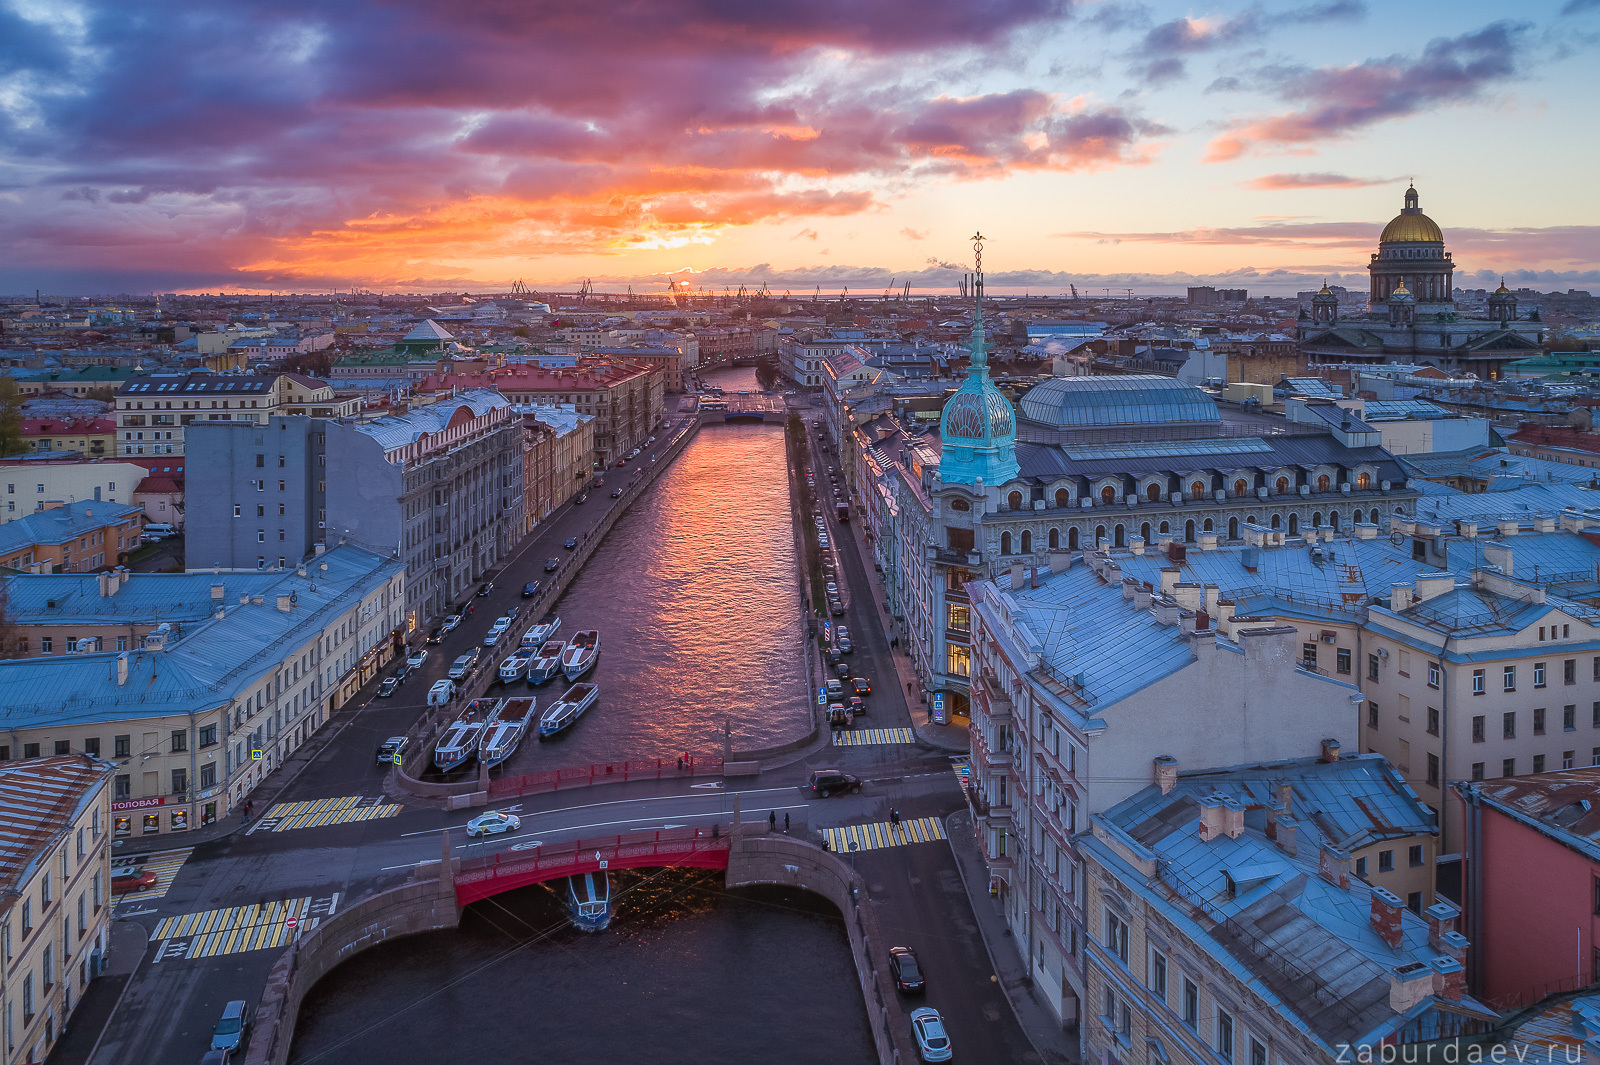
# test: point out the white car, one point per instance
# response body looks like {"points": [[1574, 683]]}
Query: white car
{"points": [[493, 823], [933, 1042], [497, 630], [449, 623], [417, 658]]}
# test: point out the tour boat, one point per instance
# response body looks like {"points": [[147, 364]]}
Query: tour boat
{"points": [[459, 743], [501, 737], [541, 630], [564, 712], [546, 665], [581, 654], [515, 665], [589, 897]]}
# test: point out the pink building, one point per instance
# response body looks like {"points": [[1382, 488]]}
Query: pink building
{"points": [[1532, 884]]}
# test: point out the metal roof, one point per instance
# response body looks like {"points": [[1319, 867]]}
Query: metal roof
{"points": [[1088, 402], [39, 800], [428, 330], [74, 598], [1563, 805], [63, 523], [398, 430]]}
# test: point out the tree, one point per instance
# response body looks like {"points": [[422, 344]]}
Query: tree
{"points": [[310, 363], [11, 442]]}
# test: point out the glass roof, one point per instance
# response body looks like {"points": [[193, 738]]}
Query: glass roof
{"points": [[1090, 402], [1242, 445]]}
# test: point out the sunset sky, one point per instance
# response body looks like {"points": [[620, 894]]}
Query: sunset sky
{"points": [[417, 144]]}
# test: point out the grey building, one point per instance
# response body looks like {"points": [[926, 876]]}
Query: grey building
{"points": [[256, 494]]}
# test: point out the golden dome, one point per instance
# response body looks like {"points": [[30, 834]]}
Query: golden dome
{"points": [[1411, 224], [1502, 290]]}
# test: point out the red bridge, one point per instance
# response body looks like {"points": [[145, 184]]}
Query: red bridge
{"points": [[480, 878]]}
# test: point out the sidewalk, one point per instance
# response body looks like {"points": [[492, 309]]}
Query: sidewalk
{"points": [[81, 1036], [1053, 1043]]}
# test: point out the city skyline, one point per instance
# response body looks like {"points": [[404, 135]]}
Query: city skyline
{"points": [[1104, 145]]}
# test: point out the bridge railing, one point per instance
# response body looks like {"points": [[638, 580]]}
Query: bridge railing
{"points": [[605, 773], [479, 878]]}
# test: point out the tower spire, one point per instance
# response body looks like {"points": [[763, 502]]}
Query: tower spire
{"points": [[978, 343]]}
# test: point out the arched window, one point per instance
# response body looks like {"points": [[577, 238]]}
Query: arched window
{"points": [[1014, 500], [1282, 487], [1251, 519], [1333, 520], [1188, 531], [1233, 528], [1063, 497], [1240, 489], [1072, 538], [1108, 495], [1323, 484], [1153, 493], [1197, 490], [1144, 532], [1276, 521], [1209, 527], [1099, 535], [1027, 542], [1294, 524], [1119, 536], [1363, 481], [1005, 543], [1374, 517], [1316, 519], [1054, 539], [1166, 527]]}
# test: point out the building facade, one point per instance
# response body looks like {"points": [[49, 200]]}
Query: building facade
{"points": [[261, 498], [154, 409], [71, 537], [558, 458], [28, 485]]}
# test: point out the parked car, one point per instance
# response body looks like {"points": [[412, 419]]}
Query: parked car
{"points": [[857, 707], [417, 657], [907, 973], [129, 878], [497, 630], [463, 665], [389, 686], [530, 589], [488, 586], [583, 497], [552, 564], [825, 782], [843, 669], [572, 542], [845, 646], [616, 493], [390, 747], [493, 823], [214, 1057], [835, 607], [450, 622], [833, 590], [933, 1043], [861, 685], [229, 1032], [437, 635], [402, 673]]}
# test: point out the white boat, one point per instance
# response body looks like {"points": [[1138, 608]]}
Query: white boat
{"points": [[589, 897], [505, 732], [459, 743], [515, 665], [541, 630], [564, 712], [546, 664], [581, 654]]}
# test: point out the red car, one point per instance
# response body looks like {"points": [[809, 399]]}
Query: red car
{"points": [[132, 878]]}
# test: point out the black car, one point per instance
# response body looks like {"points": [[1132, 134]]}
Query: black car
{"points": [[583, 497], [530, 589], [488, 586], [552, 564], [907, 973], [572, 542], [616, 493], [437, 635], [861, 685], [825, 782]]}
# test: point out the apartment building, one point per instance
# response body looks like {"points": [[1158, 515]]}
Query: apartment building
{"points": [[89, 437], [260, 495], [154, 409], [71, 537], [27, 485], [200, 711], [55, 910], [558, 458]]}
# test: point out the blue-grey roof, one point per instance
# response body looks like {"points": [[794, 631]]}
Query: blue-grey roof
{"points": [[66, 522], [74, 598], [1046, 462], [397, 430], [428, 330], [1090, 402], [211, 663], [1526, 501]]}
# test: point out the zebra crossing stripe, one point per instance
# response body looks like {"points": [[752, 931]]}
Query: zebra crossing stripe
{"points": [[882, 834], [315, 814], [865, 736], [234, 929]]}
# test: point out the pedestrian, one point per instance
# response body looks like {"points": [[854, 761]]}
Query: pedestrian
{"points": [[894, 818], [786, 823], [680, 763], [772, 819]]}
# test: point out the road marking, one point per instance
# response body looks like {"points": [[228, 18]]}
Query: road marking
{"points": [[315, 813], [883, 834], [165, 865], [864, 736], [713, 784], [237, 929], [963, 771], [600, 805]]}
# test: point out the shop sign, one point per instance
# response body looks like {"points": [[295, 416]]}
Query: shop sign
{"points": [[139, 804]]}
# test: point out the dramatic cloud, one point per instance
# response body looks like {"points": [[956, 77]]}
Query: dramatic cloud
{"points": [[1158, 57], [1338, 100], [1277, 182]]}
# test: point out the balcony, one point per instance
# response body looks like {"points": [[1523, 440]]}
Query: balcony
{"points": [[949, 556]]}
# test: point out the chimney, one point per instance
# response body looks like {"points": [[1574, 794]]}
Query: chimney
{"points": [[1188, 595], [216, 591], [1211, 819], [285, 604], [1208, 541], [1136, 545], [1285, 831], [1400, 597], [1509, 527], [1169, 579], [1016, 577], [1166, 773], [1469, 529], [1434, 585], [1333, 865], [122, 669], [1283, 792], [1385, 916], [1330, 750], [1033, 576], [1449, 978], [1060, 561], [105, 585], [1141, 597], [1410, 984], [1540, 525], [320, 548], [1232, 817], [1441, 919], [1496, 553]]}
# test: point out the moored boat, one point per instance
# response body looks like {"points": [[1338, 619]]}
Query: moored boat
{"points": [[500, 739], [564, 712], [589, 898], [546, 664], [459, 743], [581, 654], [541, 630], [515, 665]]}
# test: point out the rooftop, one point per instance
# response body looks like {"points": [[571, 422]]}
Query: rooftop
{"points": [[59, 525], [1092, 402], [1564, 805], [39, 799], [398, 430]]}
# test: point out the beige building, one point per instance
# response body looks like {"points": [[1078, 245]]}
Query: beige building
{"points": [[315, 399], [28, 485], [55, 910], [152, 409], [558, 457]]}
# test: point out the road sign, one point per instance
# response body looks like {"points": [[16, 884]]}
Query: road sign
{"points": [[291, 922], [822, 696], [255, 754], [938, 700], [398, 758]]}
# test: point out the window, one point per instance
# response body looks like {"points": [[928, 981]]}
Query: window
{"points": [[208, 775], [1386, 861], [92, 746], [46, 644], [1477, 729], [121, 746], [1224, 1035], [180, 740], [1372, 667], [1191, 996], [1117, 935], [1158, 974], [180, 781], [1433, 720], [1341, 660], [1569, 719], [959, 618], [1433, 674], [1308, 655], [122, 787], [1372, 715], [1538, 763], [208, 736], [30, 750], [1433, 770], [1415, 855], [1258, 1053], [27, 916], [1477, 770], [238, 511], [1414, 902], [1508, 725], [1538, 674], [1538, 721], [1477, 682], [63, 747], [960, 660], [1361, 868], [1508, 767], [1569, 671], [1509, 681]]}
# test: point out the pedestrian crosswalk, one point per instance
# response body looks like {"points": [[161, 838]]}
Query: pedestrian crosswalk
{"points": [[860, 736], [236, 929], [849, 838], [165, 865], [314, 813]]}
